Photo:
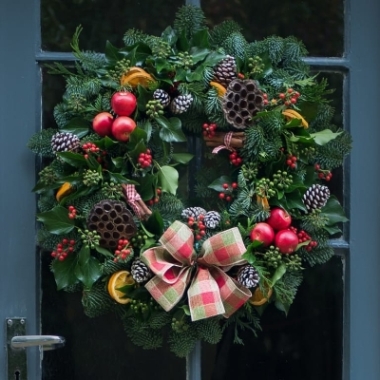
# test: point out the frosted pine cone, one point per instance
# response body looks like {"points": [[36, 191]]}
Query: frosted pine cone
{"points": [[316, 197], [212, 219], [140, 271], [225, 71], [193, 212], [248, 276], [181, 103], [63, 142], [162, 96]]}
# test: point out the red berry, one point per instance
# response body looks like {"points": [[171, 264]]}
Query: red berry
{"points": [[234, 185], [293, 100], [281, 96], [317, 166], [289, 162], [228, 198], [225, 185], [290, 90], [222, 195]]}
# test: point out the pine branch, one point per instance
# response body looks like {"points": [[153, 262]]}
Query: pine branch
{"points": [[141, 334], [96, 301], [222, 31], [189, 20], [235, 45], [40, 142]]}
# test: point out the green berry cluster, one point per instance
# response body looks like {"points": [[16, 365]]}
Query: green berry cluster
{"points": [[143, 307], [161, 49], [112, 190], [256, 65], [139, 239], [121, 68], [249, 171], [282, 180], [90, 239], [308, 152], [91, 177], [179, 325], [47, 175], [184, 60], [154, 108], [273, 257], [265, 188], [293, 263]]}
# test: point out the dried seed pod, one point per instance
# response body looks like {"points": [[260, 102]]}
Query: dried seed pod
{"points": [[241, 102], [112, 220]]}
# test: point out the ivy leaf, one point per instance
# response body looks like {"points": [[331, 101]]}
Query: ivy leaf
{"points": [[57, 220], [77, 126], [323, 137], [64, 271], [73, 159], [171, 130], [182, 158], [88, 268], [168, 177], [217, 185], [334, 211]]}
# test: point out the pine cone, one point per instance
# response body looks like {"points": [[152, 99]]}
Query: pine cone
{"points": [[63, 142], [140, 271], [225, 71], [316, 197], [248, 276], [193, 212], [212, 219], [241, 102], [162, 96], [181, 103]]}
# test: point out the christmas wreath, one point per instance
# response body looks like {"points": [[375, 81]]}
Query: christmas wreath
{"points": [[185, 184]]}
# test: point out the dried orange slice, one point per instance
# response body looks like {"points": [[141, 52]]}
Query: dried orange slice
{"points": [[65, 189], [117, 281], [137, 78], [219, 88], [258, 298], [291, 114]]}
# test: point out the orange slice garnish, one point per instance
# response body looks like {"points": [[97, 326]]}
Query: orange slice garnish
{"points": [[117, 281], [259, 298]]}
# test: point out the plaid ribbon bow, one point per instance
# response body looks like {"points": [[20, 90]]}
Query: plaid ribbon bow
{"points": [[211, 292], [227, 143]]}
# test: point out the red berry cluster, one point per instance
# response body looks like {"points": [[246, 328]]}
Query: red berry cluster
{"points": [[63, 248], [304, 236], [227, 193], [289, 97], [235, 159], [155, 199], [265, 101], [241, 76], [89, 148], [72, 212], [323, 174], [122, 251], [145, 159], [209, 129], [197, 226], [291, 161]]}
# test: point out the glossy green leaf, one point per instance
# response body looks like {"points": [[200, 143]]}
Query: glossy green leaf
{"points": [[217, 185], [280, 271], [169, 35], [171, 129], [106, 143], [334, 211], [182, 158], [88, 268], [112, 53], [57, 220], [104, 252], [155, 224], [168, 178], [200, 39], [73, 159], [146, 188], [198, 54], [77, 126], [64, 271], [323, 137]]}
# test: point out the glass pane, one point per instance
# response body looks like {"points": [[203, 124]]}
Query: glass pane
{"points": [[96, 348], [319, 23], [101, 20], [307, 344]]}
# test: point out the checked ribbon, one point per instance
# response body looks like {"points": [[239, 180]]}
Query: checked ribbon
{"points": [[212, 291]]}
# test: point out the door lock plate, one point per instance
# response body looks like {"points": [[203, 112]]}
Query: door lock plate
{"points": [[16, 364]]}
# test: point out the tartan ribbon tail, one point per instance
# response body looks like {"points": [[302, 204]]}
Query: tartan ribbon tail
{"points": [[132, 196], [227, 143]]}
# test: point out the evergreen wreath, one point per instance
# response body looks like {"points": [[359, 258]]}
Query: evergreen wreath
{"points": [[115, 210]]}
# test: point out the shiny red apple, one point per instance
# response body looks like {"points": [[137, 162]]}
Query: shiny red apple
{"points": [[123, 103], [279, 219], [286, 241], [102, 124], [262, 232], [122, 127]]}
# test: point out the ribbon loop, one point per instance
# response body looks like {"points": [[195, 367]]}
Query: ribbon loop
{"points": [[227, 144], [212, 291]]}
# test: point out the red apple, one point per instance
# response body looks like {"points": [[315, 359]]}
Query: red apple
{"points": [[122, 127], [262, 232], [279, 219], [286, 241], [123, 103], [102, 123]]}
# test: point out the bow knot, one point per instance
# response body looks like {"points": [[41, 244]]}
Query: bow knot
{"points": [[212, 291], [227, 144]]}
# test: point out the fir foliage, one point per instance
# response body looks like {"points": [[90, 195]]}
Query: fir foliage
{"points": [[141, 334], [222, 31], [189, 20], [286, 287], [40, 142], [133, 36], [320, 254], [235, 45], [209, 330], [96, 301], [181, 344], [170, 207]]}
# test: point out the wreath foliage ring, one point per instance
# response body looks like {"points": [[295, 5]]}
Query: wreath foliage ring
{"points": [[248, 121]]}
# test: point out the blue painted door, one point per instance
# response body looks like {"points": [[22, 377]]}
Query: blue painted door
{"points": [[354, 68]]}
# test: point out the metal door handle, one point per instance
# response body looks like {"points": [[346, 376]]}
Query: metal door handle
{"points": [[46, 342]]}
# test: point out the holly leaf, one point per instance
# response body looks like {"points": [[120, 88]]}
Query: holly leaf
{"points": [[201, 40], [118, 178], [294, 201], [64, 271], [112, 53], [146, 126], [171, 130], [88, 268], [155, 223], [73, 159], [217, 185], [104, 252], [168, 177], [334, 211], [105, 143], [198, 54], [146, 188], [323, 137], [169, 35], [76, 126], [57, 220], [182, 158]]}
